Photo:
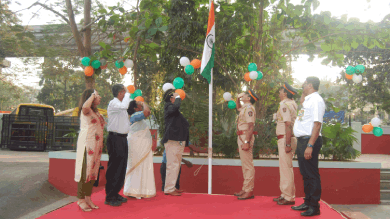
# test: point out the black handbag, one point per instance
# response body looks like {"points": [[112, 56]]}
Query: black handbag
{"points": [[96, 184]]}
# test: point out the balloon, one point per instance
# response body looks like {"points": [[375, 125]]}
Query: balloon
{"points": [[181, 93], [349, 77], [139, 98], [184, 61], [367, 128], [178, 83], [189, 69], [138, 93], [119, 64], [252, 67], [196, 63], [123, 70], [103, 62], [357, 78], [253, 75], [375, 122], [131, 89], [350, 70], [227, 96], [168, 86], [246, 77], [95, 64], [259, 75], [88, 71], [231, 104], [129, 63], [85, 61], [378, 131], [360, 69], [133, 96]]}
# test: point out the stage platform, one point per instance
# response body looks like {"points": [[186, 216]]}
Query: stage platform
{"points": [[189, 206]]}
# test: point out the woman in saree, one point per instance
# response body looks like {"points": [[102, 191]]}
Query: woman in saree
{"points": [[139, 181]]}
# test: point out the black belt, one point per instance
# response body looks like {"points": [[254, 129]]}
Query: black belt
{"points": [[304, 137], [117, 134]]}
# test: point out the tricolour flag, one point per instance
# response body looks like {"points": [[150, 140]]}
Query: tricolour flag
{"points": [[209, 50]]}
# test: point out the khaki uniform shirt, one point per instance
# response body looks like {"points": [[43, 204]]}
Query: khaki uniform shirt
{"points": [[287, 112], [247, 115]]}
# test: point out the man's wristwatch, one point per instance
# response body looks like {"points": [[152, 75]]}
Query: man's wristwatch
{"points": [[310, 145], [288, 145]]}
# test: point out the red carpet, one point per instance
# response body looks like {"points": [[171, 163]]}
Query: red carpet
{"points": [[188, 206]]}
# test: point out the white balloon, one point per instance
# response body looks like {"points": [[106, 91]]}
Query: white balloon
{"points": [[253, 75], [184, 61], [357, 78], [103, 62], [375, 122], [168, 86], [129, 63], [227, 96]]}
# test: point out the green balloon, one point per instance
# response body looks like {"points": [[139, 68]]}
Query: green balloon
{"points": [[231, 104], [252, 67], [119, 64], [138, 93], [259, 75], [178, 83], [189, 69], [133, 96], [85, 61], [377, 131], [350, 70], [360, 69], [95, 64]]}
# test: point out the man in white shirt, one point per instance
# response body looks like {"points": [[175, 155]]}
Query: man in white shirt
{"points": [[307, 129], [118, 127]]}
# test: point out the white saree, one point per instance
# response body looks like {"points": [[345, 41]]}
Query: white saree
{"points": [[139, 181]]}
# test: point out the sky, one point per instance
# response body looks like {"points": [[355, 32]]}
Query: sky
{"points": [[365, 10]]}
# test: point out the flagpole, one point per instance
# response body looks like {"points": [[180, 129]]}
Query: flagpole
{"points": [[210, 151]]}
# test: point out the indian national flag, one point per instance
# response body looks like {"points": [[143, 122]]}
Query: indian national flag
{"points": [[209, 49]]}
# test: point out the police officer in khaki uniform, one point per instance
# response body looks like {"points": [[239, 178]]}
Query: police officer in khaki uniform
{"points": [[245, 132], [287, 143]]}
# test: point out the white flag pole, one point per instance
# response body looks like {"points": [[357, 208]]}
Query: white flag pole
{"points": [[210, 151]]}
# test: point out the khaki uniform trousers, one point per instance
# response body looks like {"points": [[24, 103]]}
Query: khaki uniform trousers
{"points": [[248, 169], [174, 154], [287, 185]]}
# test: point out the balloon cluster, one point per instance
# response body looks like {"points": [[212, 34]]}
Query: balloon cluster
{"points": [[135, 94], [253, 74], [93, 66], [178, 83], [355, 73], [228, 97], [124, 65], [189, 67], [374, 127]]}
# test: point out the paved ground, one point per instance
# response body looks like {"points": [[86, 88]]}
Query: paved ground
{"points": [[25, 192]]}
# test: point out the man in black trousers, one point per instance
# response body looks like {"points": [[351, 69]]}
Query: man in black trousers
{"points": [[118, 127], [307, 129], [176, 137]]}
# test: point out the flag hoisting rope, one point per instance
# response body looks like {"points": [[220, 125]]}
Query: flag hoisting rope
{"points": [[206, 70]]}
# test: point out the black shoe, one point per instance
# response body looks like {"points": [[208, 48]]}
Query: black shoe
{"points": [[301, 207], [114, 203], [311, 212], [121, 199]]}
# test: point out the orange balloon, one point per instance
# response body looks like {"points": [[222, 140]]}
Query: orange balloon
{"points": [[139, 98], [181, 93], [349, 77], [367, 128], [246, 77], [88, 71], [123, 70], [131, 89], [196, 63]]}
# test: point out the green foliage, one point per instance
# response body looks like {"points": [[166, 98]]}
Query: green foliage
{"points": [[338, 142]]}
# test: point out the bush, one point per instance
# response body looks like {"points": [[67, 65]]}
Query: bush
{"points": [[338, 142]]}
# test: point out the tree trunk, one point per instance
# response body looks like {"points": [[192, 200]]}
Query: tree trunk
{"points": [[89, 81]]}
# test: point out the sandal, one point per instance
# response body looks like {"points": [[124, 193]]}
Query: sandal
{"points": [[83, 205], [90, 203]]}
